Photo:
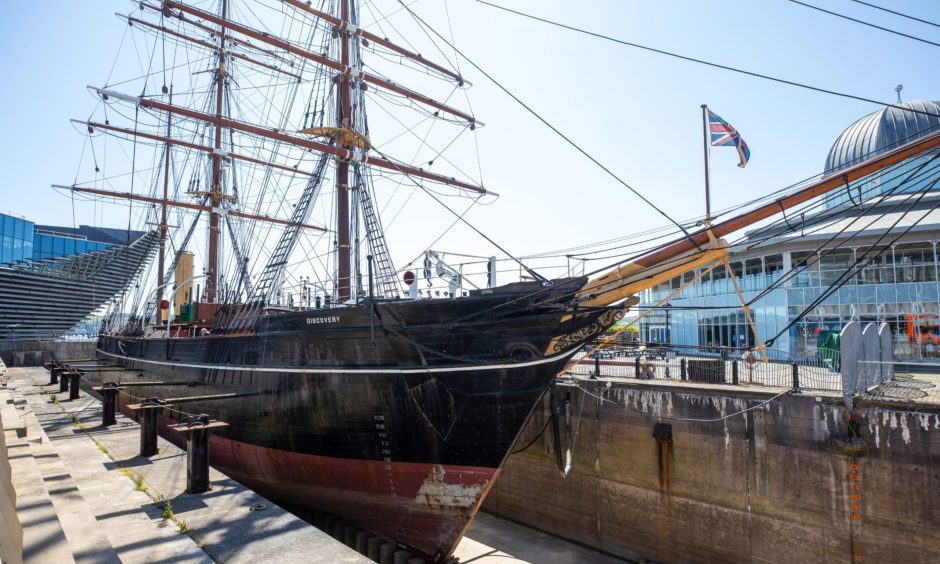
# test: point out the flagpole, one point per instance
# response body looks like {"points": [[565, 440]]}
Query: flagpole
{"points": [[708, 211]]}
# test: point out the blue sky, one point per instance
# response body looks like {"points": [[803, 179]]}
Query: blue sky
{"points": [[636, 112]]}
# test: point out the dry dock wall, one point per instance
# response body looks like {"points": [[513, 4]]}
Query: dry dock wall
{"points": [[769, 485], [34, 353]]}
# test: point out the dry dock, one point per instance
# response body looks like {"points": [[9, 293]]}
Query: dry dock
{"points": [[675, 471], [81, 493]]}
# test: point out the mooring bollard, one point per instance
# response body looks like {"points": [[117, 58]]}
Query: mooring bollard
{"points": [[64, 380], [74, 377], [682, 370], [636, 369], [796, 378], [109, 392], [54, 373], [734, 372], [597, 367], [196, 429], [147, 412]]}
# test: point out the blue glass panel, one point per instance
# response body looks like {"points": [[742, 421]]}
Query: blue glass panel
{"points": [[58, 246], [17, 250], [887, 294], [28, 235], [28, 249], [6, 252], [20, 232], [69, 247], [46, 250], [8, 227]]}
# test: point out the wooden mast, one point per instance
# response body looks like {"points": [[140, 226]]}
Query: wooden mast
{"points": [[161, 264], [344, 115], [215, 195]]}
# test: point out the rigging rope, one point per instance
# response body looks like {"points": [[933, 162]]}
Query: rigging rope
{"points": [[546, 122], [704, 62]]}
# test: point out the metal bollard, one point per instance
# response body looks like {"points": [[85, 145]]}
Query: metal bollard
{"points": [[54, 374], [636, 372], [683, 368], [197, 461], [109, 392], [734, 372], [148, 430], [74, 377], [597, 367], [63, 381], [796, 378], [197, 431]]}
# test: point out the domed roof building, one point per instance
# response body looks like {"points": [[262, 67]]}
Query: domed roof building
{"points": [[793, 271], [877, 133]]}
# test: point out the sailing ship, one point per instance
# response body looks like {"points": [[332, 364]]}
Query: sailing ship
{"points": [[389, 409]]}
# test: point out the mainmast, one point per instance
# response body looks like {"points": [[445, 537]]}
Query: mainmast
{"points": [[161, 265], [344, 118], [215, 194]]}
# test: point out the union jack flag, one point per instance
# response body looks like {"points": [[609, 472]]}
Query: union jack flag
{"points": [[723, 135]]}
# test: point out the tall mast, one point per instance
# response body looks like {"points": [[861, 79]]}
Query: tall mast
{"points": [[344, 115], [161, 267], [215, 195]]}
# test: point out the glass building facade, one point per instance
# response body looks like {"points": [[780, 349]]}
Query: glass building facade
{"points": [[783, 274], [16, 240], [898, 287], [22, 241]]}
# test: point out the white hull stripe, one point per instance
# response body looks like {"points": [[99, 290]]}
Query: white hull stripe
{"points": [[316, 370]]}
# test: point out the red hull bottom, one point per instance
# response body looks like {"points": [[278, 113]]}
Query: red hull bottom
{"points": [[427, 507]]}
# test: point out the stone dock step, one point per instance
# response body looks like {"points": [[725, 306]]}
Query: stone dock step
{"points": [[83, 494]]}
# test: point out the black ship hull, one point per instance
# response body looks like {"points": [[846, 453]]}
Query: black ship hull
{"points": [[395, 415]]}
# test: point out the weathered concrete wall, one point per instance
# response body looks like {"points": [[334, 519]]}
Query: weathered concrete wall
{"points": [[11, 530], [30, 353], [765, 486]]}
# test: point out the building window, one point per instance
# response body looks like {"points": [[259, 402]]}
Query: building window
{"points": [[914, 262]]}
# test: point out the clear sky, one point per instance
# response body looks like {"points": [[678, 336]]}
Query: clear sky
{"points": [[637, 112]]}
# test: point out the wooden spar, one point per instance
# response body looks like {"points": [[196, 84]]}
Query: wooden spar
{"points": [[215, 194], [297, 141], [344, 24], [344, 69], [187, 205], [194, 146], [673, 252], [163, 231], [229, 38], [207, 45], [343, 266]]}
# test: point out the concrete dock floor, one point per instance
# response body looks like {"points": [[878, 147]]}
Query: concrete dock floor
{"points": [[492, 540], [94, 500]]}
